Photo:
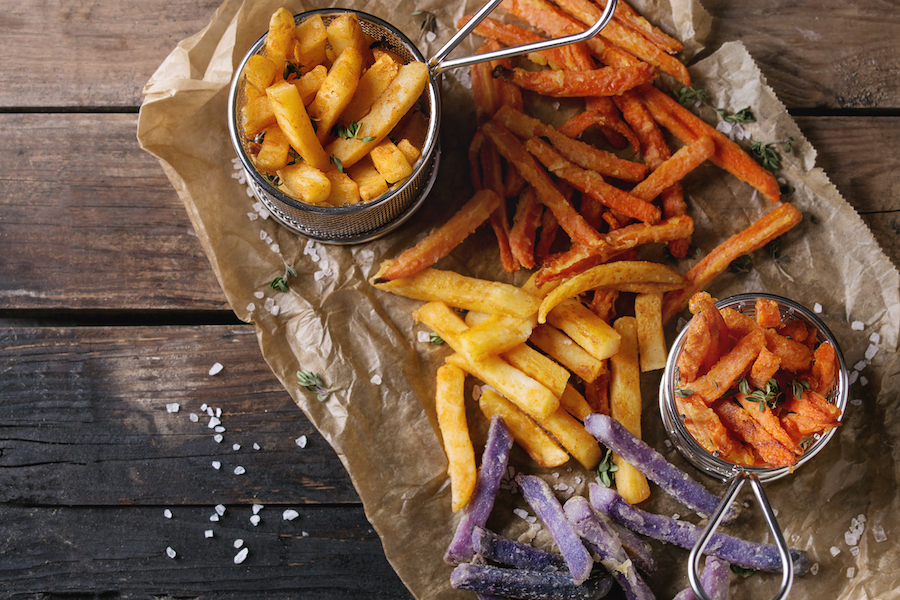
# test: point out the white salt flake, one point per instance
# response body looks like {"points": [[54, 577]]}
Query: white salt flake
{"points": [[430, 36], [251, 307], [854, 375], [864, 381], [252, 216], [275, 310], [259, 295], [851, 571], [857, 325], [208, 533], [257, 508], [275, 248], [871, 351], [241, 556], [859, 366], [238, 543], [250, 195], [521, 513], [236, 447], [301, 441], [319, 275], [172, 407], [262, 234], [214, 518], [216, 465], [255, 446], [879, 534], [423, 336], [213, 422], [218, 412], [269, 303], [169, 552], [290, 514], [194, 418], [850, 539], [376, 379], [239, 470], [218, 437], [834, 550], [304, 534], [814, 569], [817, 308], [209, 411], [220, 509], [875, 338], [856, 402], [219, 429], [167, 513], [854, 550], [254, 519], [216, 369]]}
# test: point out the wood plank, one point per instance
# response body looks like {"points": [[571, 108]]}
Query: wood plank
{"points": [[844, 55], [71, 169], [111, 49], [85, 421], [326, 553]]}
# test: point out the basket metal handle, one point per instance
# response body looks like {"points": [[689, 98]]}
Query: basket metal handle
{"points": [[787, 567], [437, 64]]}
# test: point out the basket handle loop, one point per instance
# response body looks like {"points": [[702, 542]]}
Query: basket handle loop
{"points": [[437, 64], [787, 567]]}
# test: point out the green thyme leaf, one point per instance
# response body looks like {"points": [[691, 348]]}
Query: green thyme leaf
{"points": [[368, 138], [273, 179], [745, 115], [766, 154], [313, 382], [337, 163], [741, 264], [346, 132], [435, 339], [606, 469], [743, 572], [429, 23], [293, 155], [798, 387], [774, 249], [684, 393], [291, 68], [280, 284], [689, 95]]}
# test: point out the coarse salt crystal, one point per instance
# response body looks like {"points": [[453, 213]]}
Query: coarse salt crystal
{"points": [[423, 336], [856, 402], [879, 534], [209, 411], [194, 418], [218, 412], [854, 550], [169, 552], [213, 421], [834, 550], [301, 441], [208, 533], [251, 307], [290, 514], [256, 508], [254, 519], [850, 539], [252, 216], [220, 509], [854, 375], [216, 465], [275, 248], [430, 36], [239, 470], [875, 337], [814, 569], [214, 518], [304, 534], [218, 437], [255, 446], [216, 369], [167, 513], [864, 381], [521, 513], [219, 429], [860, 365], [376, 379], [871, 351], [172, 407], [250, 195], [275, 310], [857, 325], [319, 275], [236, 447], [203, 407], [269, 303], [259, 295], [238, 543], [851, 571], [241, 556], [817, 308]]}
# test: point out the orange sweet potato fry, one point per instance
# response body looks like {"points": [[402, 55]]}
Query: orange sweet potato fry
{"points": [[485, 91], [795, 357], [592, 184], [673, 170], [513, 35], [764, 368], [548, 193], [745, 427], [446, 237], [597, 393], [705, 426], [767, 314], [605, 81], [796, 330], [765, 418], [694, 350], [580, 153], [824, 369], [492, 177], [524, 230], [688, 127], [752, 238], [731, 366], [808, 415], [549, 229], [627, 16], [704, 305]]}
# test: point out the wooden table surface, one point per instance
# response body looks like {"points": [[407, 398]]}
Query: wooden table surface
{"points": [[110, 312]]}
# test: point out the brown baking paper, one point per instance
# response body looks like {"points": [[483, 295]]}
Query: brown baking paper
{"points": [[381, 421]]}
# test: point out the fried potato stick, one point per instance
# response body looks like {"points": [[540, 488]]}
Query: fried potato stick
{"points": [[441, 241], [451, 416], [543, 449], [673, 170], [605, 81]]}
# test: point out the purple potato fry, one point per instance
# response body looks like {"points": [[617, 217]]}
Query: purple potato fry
{"points": [[750, 555], [493, 466], [511, 553], [606, 546], [715, 579], [543, 502], [654, 466], [527, 585]]}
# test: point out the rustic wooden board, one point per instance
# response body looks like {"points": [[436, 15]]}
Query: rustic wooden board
{"points": [[85, 421], [114, 47], [326, 553]]}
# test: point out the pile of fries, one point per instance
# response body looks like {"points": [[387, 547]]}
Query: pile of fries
{"points": [[781, 402], [320, 105], [574, 214]]}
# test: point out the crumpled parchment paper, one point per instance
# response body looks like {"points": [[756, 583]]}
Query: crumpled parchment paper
{"points": [[381, 422]]}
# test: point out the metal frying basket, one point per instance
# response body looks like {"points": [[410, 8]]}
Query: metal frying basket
{"points": [[366, 221], [738, 475]]}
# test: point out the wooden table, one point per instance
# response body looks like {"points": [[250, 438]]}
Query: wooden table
{"points": [[110, 313]]}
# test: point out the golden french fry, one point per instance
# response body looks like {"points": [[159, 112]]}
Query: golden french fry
{"points": [[369, 181], [575, 403], [256, 115], [294, 121], [400, 96], [260, 71], [281, 38], [587, 329], [489, 335], [563, 349], [343, 189], [306, 182], [345, 32], [651, 338], [411, 153], [625, 406], [611, 276], [336, 91], [459, 291], [451, 416], [527, 434], [572, 436], [312, 37], [309, 83], [372, 84], [390, 162], [273, 152]]}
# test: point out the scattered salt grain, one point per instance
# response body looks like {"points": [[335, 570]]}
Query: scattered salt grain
{"points": [[857, 325], [257, 508], [676, 516], [216, 369], [239, 470], [854, 375], [208, 533], [304, 534], [241, 556], [238, 543], [879, 534], [167, 513], [871, 351], [275, 310], [254, 519], [834, 550], [856, 402], [216, 465], [214, 518], [251, 307], [218, 437], [854, 550], [817, 308], [252, 216], [851, 571], [194, 418], [290, 514], [213, 422], [301, 441], [275, 248], [172, 407], [423, 336], [376, 379], [864, 381], [209, 411], [220, 429], [236, 447], [861, 365], [319, 275], [269, 303], [814, 569], [220, 509], [203, 407], [259, 295], [255, 446], [169, 552], [218, 412], [430, 36], [875, 337], [521, 513]]}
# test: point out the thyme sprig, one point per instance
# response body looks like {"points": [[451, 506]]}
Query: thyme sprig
{"points": [[435, 339], [770, 397], [351, 131], [281, 283], [606, 470], [429, 23], [745, 115], [313, 382], [687, 95]]}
